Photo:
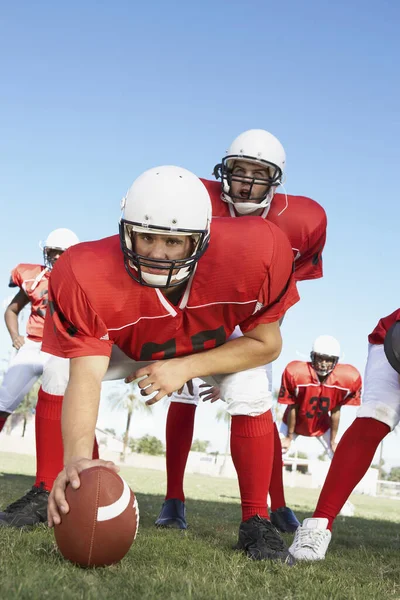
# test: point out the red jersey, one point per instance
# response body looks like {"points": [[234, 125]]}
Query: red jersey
{"points": [[315, 400], [94, 303], [379, 333], [303, 221], [33, 280]]}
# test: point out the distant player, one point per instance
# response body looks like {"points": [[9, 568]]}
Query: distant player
{"points": [[27, 365], [250, 175], [378, 415], [315, 392]]}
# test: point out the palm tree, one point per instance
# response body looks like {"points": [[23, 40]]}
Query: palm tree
{"points": [[223, 415], [128, 399]]}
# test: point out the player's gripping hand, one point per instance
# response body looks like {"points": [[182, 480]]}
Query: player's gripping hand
{"points": [[18, 342], [70, 474], [211, 393], [163, 377]]}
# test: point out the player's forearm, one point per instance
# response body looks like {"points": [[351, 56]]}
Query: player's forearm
{"points": [[79, 417], [291, 422], [335, 419], [11, 320], [236, 355]]}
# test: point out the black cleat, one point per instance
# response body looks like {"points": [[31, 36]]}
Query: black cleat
{"points": [[29, 510], [172, 515], [284, 519], [259, 539]]}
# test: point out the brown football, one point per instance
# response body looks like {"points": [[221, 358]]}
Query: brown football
{"points": [[102, 521]]}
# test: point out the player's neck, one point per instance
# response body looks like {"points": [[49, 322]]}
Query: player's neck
{"points": [[174, 294]]}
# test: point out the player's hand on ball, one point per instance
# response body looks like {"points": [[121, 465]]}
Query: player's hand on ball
{"points": [[211, 393], [18, 342], [163, 377], [70, 474]]}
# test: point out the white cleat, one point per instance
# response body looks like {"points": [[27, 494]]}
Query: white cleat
{"points": [[348, 510], [311, 540]]}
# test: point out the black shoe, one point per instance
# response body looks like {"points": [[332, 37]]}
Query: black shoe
{"points": [[284, 519], [259, 539], [29, 510], [172, 515]]}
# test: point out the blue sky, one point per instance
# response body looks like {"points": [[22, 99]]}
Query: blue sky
{"points": [[94, 93]]}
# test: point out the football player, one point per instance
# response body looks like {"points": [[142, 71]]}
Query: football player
{"points": [[169, 302], [378, 415], [32, 280], [315, 392], [249, 175]]}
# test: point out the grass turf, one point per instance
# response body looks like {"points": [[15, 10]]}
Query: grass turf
{"points": [[362, 561]]}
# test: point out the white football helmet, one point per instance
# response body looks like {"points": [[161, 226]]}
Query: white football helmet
{"points": [[59, 239], [261, 147], [165, 200], [325, 347]]}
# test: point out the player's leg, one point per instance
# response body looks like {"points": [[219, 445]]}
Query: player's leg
{"points": [[179, 437], [252, 445], [282, 516], [379, 413], [347, 509], [31, 509], [23, 371]]}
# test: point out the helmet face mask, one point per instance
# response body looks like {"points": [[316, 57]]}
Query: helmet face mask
{"points": [[56, 243], [173, 272], [50, 255], [323, 364], [165, 201], [225, 172], [262, 150], [325, 355]]}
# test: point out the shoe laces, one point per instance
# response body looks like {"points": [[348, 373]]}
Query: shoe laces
{"points": [[310, 538], [271, 535], [26, 499]]}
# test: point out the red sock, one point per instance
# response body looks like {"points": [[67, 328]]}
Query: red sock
{"points": [[276, 490], [2, 422], [350, 462], [49, 446], [179, 436], [252, 447]]}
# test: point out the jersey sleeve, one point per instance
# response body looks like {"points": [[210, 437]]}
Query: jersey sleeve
{"points": [[354, 398], [309, 264], [16, 277], [278, 291], [72, 328], [287, 392]]}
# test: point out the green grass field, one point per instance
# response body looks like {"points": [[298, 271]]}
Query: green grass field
{"points": [[363, 561]]}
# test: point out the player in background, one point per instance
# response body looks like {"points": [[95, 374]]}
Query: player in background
{"points": [[378, 415], [250, 173], [32, 280], [172, 297], [315, 392]]}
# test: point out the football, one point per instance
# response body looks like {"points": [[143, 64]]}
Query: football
{"points": [[102, 521]]}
